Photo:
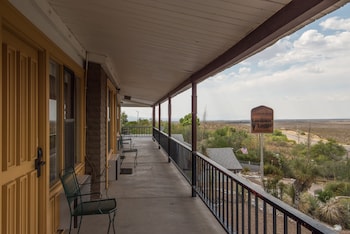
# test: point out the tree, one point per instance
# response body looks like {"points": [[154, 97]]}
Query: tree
{"points": [[203, 134], [187, 120], [144, 122], [328, 156], [227, 137], [124, 118], [327, 151], [304, 173]]}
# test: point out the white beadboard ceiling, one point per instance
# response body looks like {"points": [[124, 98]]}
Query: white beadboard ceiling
{"points": [[155, 48]]}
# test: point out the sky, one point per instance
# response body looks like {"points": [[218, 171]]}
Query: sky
{"points": [[305, 75]]}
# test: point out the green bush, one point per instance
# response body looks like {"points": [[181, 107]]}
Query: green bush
{"points": [[325, 195], [272, 170], [338, 188]]}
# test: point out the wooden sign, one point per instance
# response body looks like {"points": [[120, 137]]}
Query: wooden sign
{"points": [[262, 120]]}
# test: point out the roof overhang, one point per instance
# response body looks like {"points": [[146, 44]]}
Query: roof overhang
{"points": [[153, 50]]}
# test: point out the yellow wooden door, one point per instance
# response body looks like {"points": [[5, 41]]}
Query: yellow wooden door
{"points": [[19, 109]]}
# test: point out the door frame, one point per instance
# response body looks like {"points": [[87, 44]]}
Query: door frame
{"points": [[43, 138]]}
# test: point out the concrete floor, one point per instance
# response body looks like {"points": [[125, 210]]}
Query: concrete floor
{"points": [[155, 198]]}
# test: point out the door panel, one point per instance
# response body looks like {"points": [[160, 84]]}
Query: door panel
{"points": [[33, 202], [22, 204], [19, 92], [9, 209]]}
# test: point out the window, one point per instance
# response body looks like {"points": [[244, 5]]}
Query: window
{"points": [[63, 116], [111, 118], [71, 87], [53, 119], [109, 94]]}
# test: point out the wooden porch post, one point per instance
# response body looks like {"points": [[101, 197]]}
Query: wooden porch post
{"points": [[169, 127], [194, 137], [153, 116], [159, 124]]}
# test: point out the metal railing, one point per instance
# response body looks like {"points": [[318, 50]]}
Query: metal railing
{"points": [[239, 205], [135, 131]]}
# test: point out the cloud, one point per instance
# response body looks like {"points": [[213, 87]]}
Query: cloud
{"points": [[310, 46], [243, 70], [336, 23], [221, 77], [304, 75], [314, 68]]}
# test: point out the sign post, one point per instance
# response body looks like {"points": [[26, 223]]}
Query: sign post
{"points": [[261, 144], [262, 122]]}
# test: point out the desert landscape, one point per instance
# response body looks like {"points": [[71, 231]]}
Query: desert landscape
{"points": [[337, 129]]}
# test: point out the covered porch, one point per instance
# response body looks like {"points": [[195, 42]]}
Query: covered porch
{"points": [[154, 198]]}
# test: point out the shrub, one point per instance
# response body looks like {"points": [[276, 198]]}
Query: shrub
{"points": [[325, 195], [333, 212], [309, 204]]}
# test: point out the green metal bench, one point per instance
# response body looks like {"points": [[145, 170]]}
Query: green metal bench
{"points": [[80, 207], [124, 140], [127, 150]]}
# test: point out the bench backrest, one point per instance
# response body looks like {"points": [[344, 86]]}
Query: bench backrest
{"points": [[70, 185]]}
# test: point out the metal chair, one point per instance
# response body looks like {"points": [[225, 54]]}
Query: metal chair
{"points": [[123, 150], [81, 207]]}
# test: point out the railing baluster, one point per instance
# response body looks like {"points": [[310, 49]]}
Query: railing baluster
{"points": [[274, 222], [206, 184], [298, 228], [264, 213], [227, 202], [249, 213], [256, 214], [219, 196], [212, 187], [285, 223], [222, 202], [232, 217], [237, 216], [202, 178], [242, 214]]}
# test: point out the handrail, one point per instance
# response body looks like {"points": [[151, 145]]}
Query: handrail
{"points": [[238, 204]]}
